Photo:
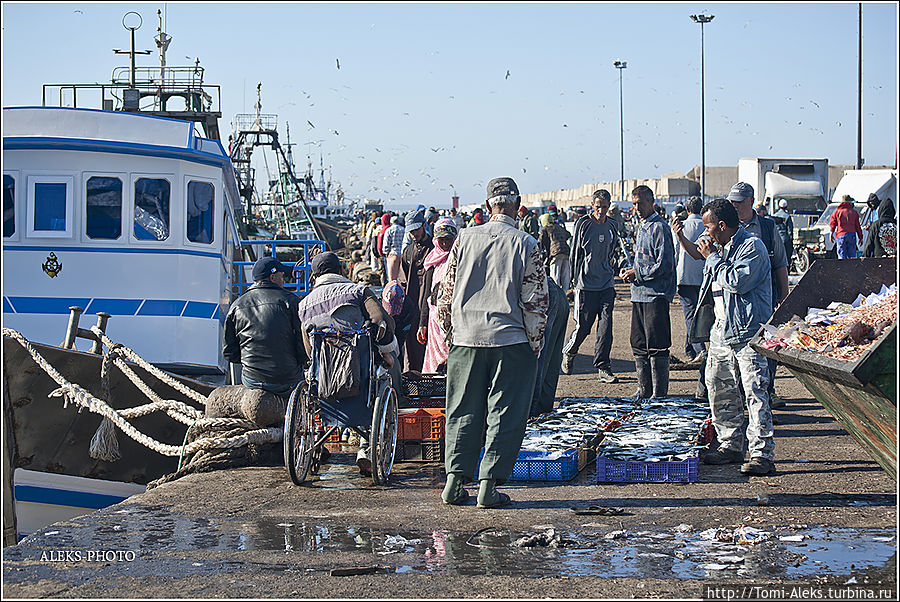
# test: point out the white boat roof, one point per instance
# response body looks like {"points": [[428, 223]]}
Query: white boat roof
{"points": [[60, 123]]}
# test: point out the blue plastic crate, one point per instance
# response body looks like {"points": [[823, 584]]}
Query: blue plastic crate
{"points": [[543, 466], [628, 471]]}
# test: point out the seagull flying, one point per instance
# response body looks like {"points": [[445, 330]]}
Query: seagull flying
{"points": [[310, 123], [507, 74], [338, 61]]}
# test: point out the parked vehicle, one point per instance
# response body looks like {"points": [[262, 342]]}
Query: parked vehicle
{"points": [[803, 183], [815, 242]]}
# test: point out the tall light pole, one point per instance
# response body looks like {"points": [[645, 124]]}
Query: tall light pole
{"points": [[621, 65], [859, 157], [702, 20]]}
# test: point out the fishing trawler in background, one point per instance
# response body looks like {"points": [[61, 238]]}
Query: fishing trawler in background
{"points": [[116, 206]]}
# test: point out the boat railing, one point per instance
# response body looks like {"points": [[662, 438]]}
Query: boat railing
{"points": [[289, 251], [252, 122], [197, 96]]}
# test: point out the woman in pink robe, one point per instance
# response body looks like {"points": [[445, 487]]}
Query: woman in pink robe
{"points": [[430, 333]]}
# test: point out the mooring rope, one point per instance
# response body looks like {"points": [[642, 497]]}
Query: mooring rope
{"points": [[238, 432]]}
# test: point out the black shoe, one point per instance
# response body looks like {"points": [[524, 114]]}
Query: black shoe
{"points": [[605, 375], [758, 467], [775, 402], [723, 457]]}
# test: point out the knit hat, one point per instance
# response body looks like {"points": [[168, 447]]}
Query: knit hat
{"points": [[392, 298]]}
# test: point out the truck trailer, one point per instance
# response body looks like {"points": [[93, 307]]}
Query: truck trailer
{"points": [[803, 183]]}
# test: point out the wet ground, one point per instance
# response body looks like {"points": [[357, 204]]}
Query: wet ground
{"points": [[827, 516]]}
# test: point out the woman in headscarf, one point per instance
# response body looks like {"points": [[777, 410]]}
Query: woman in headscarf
{"points": [[430, 333], [376, 251]]}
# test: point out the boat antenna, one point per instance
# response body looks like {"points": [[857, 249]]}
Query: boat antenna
{"points": [[132, 25], [162, 44]]}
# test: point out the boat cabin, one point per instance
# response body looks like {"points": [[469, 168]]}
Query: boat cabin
{"points": [[122, 213]]}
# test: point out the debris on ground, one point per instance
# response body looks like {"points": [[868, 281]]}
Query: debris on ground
{"points": [[843, 331]]}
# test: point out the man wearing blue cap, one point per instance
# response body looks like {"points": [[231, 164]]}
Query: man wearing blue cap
{"points": [[263, 334], [412, 265]]}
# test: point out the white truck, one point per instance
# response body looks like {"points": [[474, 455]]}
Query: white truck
{"points": [[815, 241], [803, 183]]}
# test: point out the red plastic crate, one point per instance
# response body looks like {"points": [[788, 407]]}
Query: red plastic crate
{"points": [[424, 423], [334, 437]]}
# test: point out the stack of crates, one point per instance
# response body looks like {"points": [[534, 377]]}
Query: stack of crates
{"points": [[424, 390], [420, 435]]}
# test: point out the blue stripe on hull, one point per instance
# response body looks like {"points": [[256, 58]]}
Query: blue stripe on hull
{"points": [[63, 497], [113, 250], [172, 308], [46, 305], [114, 307]]}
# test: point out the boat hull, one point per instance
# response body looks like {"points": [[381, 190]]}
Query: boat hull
{"points": [[46, 444], [48, 437], [43, 498]]}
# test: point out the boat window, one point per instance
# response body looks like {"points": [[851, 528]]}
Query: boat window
{"points": [[104, 207], [50, 206], [151, 209], [9, 205], [200, 205]]}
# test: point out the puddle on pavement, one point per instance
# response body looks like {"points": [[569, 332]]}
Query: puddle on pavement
{"points": [[657, 554], [341, 472]]}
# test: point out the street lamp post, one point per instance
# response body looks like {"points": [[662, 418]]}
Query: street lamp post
{"points": [[621, 65], [702, 20], [859, 157]]}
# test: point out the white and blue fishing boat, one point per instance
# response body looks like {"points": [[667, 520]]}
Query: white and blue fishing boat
{"points": [[130, 215]]}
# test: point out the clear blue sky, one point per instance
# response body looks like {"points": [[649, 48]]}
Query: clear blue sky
{"points": [[781, 81]]}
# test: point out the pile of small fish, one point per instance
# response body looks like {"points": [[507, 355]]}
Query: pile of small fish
{"points": [[574, 423], [659, 430], [843, 331]]}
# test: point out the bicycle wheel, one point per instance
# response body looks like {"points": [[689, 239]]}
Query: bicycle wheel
{"points": [[383, 442], [298, 434]]}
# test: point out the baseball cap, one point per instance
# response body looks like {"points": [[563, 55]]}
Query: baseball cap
{"points": [[266, 266], [873, 198], [325, 263], [740, 192], [782, 203], [414, 221], [502, 186]]}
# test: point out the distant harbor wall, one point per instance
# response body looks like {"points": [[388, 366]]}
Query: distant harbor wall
{"points": [[670, 188], [667, 188]]}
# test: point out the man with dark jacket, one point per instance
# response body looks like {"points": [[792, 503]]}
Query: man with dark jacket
{"points": [[874, 243], [412, 265], [263, 334]]}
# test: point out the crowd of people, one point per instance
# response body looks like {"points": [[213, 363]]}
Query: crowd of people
{"points": [[483, 299]]}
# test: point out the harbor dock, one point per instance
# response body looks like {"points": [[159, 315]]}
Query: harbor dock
{"points": [[828, 515]]}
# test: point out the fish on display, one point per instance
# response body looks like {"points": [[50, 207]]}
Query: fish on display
{"points": [[659, 430]]}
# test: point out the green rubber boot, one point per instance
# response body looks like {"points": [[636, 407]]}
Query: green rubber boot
{"points": [[489, 497], [453, 493]]}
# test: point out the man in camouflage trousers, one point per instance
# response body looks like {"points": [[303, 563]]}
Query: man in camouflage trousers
{"points": [[735, 299], [493, 306]]}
